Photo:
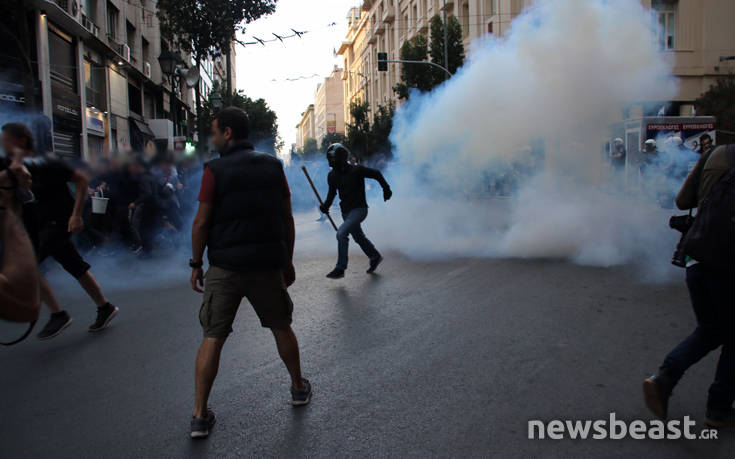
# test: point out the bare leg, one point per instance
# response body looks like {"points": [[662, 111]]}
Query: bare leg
{"points": [[48, 297], [206, 370], [93, 289], [288, 349]]}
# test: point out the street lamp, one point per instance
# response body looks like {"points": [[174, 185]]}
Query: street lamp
{"points": [[170, 63], [216, 100]]}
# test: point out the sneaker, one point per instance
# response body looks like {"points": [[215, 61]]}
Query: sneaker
{"points": [[374, 264], [200, 427], [300, 397], [656, 396], [336, 273], [58, 322], [720, 418], [104, 315]]}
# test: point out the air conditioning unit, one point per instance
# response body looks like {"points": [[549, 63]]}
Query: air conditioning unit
{"points": [[147, 69], [125, 52]]}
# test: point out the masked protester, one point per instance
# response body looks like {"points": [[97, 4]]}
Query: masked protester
{"points": [[349, 181]]}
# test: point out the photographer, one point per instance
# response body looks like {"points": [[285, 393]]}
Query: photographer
{"points": [[19, 279], [712, 290]]}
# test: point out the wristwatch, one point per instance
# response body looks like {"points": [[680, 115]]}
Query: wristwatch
{"points": [[195, 264]]}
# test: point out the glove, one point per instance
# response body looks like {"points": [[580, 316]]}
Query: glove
{"points": [[324, 208], [387, 193]]}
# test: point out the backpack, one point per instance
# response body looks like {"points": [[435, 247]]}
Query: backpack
{"points": [[711, 239]]}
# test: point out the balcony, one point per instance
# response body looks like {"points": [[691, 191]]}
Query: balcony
{"points": [[379, 28], [90, 26], [389, 15]]}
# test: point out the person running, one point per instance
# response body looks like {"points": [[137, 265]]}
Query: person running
{"points": [[349, 181], [51, 220], [245, 221]]}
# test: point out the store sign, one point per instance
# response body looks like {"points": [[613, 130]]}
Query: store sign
{"points": [[95, 119], [12, 98], [179, 143]]}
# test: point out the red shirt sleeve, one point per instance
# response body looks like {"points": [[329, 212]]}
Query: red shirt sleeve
{"points": [[286, 189], [206, 192]]}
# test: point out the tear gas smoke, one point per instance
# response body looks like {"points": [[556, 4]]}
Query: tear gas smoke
{"points": [[541, 99]]}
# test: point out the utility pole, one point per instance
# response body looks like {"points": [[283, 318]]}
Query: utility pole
{"points": [[446, 38]]}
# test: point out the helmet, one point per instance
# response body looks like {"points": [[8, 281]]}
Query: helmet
{"points": [[337, 154], [618, 140]]}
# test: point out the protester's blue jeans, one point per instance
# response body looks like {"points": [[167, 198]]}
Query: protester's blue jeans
{"points": [[351, 226], [713, 299]]}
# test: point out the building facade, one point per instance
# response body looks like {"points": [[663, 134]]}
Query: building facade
{"points": [[692, 34], [92, 69], [329, 114], [306, 130], [384, 25]]}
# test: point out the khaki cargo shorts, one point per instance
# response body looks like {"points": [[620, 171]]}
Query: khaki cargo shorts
{"points": [[224, 291]]}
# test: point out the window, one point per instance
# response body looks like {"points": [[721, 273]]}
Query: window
{"points": [[130, 36], [664, 17], [465, 20], [113, 15], [145, 50], [490, 6]]}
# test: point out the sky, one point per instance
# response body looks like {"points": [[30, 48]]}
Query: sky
{"points": [[313, 54]]}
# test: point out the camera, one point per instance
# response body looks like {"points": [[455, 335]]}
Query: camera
{"points": [[681, 223]]}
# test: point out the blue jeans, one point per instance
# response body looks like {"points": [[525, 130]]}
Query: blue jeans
{"points": [[712, 294], [351, 225]]}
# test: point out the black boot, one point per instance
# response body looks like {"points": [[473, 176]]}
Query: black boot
{"points": [[656, 392]]}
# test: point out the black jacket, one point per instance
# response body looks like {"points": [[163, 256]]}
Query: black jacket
{"points": [[350, 182], [248, 230]]}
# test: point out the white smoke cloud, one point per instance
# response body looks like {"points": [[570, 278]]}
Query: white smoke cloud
{"points": [[560, 77]]}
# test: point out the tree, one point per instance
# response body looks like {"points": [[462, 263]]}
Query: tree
{"points": [[263, 120], [380, 132], [455, 46], [311, 149], [358, 132], [207, 27], [719, 101], [414, 76], [330, 138], [365, 140]]}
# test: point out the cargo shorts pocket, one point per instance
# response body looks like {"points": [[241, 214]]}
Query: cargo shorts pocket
{"points": [[205, 312]]}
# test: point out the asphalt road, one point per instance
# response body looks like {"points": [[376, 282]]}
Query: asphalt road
{"points": [[433, 358]]}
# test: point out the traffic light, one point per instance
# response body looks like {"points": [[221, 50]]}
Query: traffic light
{"points": [[382, 62]]}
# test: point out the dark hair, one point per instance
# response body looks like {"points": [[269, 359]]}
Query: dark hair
{"points": [[704, 137], [235, 119], [20, 131]]}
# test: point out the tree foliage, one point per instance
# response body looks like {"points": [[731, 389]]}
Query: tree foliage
{"points": [[204, 27], [423, 77], [263, 120], [719, 101], [414, 76], [364, 139], [455, 45], [330, 138]]}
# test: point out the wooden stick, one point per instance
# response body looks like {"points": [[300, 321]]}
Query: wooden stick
{"points": [[319, 198]]}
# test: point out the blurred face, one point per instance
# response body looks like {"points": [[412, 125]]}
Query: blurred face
{"points": [[221, 139], [12, 143], [706, 144]]}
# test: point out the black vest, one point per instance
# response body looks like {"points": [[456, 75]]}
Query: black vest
{"points": [[248, 231]]}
